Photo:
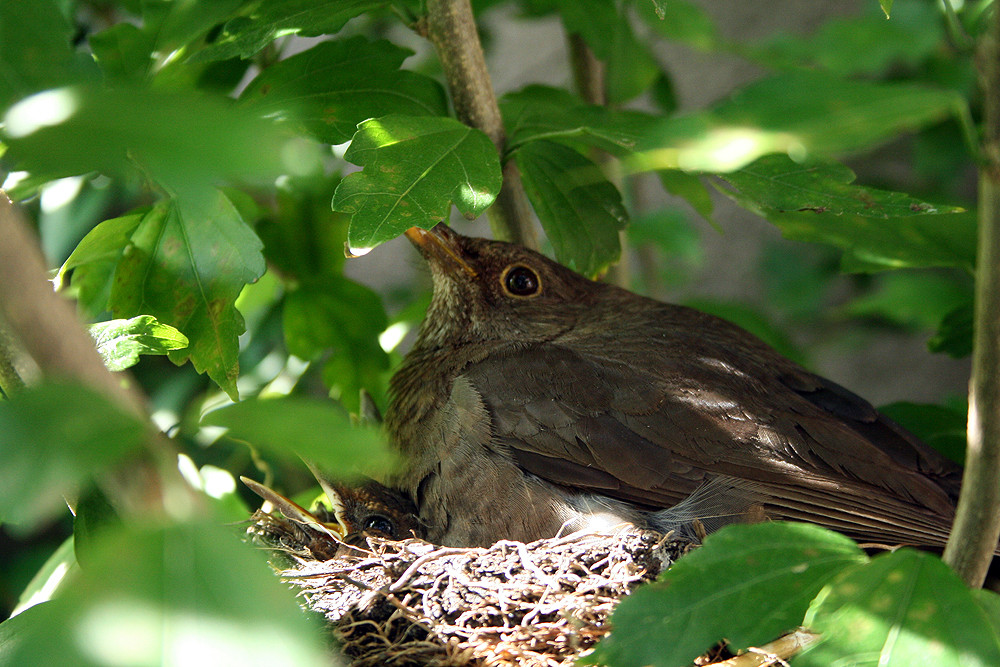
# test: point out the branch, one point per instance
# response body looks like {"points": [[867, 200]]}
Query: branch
{"points": [[976, 531], [10, 379], [451, 28], [45, 323]]}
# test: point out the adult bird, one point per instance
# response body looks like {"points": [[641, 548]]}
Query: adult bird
{"points": [[536, 401]]}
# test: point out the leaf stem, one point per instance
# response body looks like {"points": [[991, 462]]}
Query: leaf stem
{"points": [[974, 536], [451, 28]]}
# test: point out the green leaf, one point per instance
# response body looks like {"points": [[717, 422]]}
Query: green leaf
{"points": [[539, 112], [873, 244], [124, 53], [777, 183], [184, 140], [902, 608], [53, 437], [245, 35], [318, 431], [877, 229], [748, 583], [690, 188], [120, 342], [35, 50], [93, 262], [954, 335], [682, 21], [630, 66], [182, 594], [327, 90], [865, 44], [580, 210], [886, 6], [807, 114], [336, 314], [941, 427], [187, 262], [414, 167], [913, 298], [58, 570]]}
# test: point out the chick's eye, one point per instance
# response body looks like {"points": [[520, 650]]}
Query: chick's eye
{"points": [[377, 523], [521, 281]]}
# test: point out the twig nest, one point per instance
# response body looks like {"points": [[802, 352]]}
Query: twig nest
{"points": [[413, 603]]}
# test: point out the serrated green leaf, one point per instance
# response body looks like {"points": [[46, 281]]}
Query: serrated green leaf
{"points": [[748, 583], [184, 140], [954, 334], [777, 183], [247, 34], [168, 603], [414, 168], [340, 316], [120, 342], [872, 244], [104, 243], [327, 90], [902, 608], [319, 431], [53, 437], [35, 50], [580, 210], [540, 112], [186, 264], [807, 114]]}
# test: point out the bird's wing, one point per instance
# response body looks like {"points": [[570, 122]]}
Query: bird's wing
{"points": [[653, 435]]}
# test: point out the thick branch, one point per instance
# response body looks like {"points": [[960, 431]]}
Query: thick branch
{"points": [[452, 29], [10, 379], [44, 322], [977, 523]]}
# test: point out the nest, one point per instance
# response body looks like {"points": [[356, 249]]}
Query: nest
{"points": [[412, 603]]}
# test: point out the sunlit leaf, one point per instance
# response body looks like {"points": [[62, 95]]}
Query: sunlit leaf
{"points": [[807, 114], [414, 168], [748, 584], [183, 140], [319, 431], [580, 210], [333, 86], [53, 438], [187, 262], [186, 594], [120, 342], [902, 608]]}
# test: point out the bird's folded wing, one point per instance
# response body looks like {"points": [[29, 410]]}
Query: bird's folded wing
{"points": [[652, 435]]}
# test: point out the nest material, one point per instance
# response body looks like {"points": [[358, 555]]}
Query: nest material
{"points": [[412, 603]]}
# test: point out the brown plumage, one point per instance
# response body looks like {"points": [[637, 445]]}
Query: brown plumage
{"points": [[536, 400]]}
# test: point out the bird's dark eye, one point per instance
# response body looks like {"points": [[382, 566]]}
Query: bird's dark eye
{"points": [[519, 280], [377, 523]]}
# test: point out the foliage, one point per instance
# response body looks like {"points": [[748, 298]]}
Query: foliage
{"points": [[203, 218]]}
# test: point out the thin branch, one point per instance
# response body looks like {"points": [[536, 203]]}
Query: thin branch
{"points": [[974, 536], [452, 29], [591, 84], [10, 379]]}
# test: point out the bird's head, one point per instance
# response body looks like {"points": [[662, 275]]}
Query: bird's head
{"points": [[490, 290]]}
